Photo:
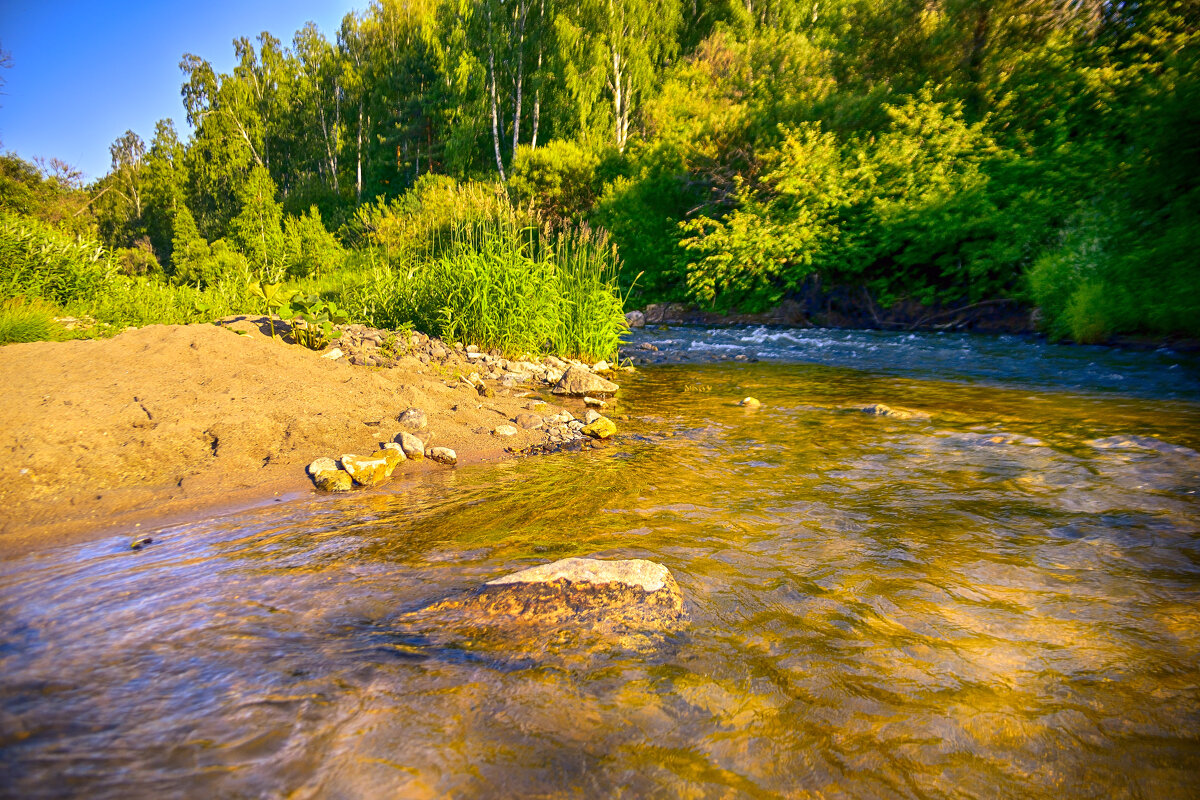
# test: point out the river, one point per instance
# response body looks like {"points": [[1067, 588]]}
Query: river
{"points": [[999, 597]]}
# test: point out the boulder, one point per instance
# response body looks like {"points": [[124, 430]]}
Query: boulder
{"points": [[591, 416], [633, 591], [577, 382], [635, 319], [392, 455], [369, 470], [322, 465], [529, 421], [413, 447], [414, 419], [333, 480], [601, 428], [442, 455]]}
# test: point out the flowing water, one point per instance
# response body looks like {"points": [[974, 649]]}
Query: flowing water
{"points": [[1001, 599]]}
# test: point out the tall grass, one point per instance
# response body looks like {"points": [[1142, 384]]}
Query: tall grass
{"points": [[40, 261], [23, 320], [486, 273]]}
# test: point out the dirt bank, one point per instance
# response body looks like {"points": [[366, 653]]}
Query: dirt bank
{"points": [[165, 422]]}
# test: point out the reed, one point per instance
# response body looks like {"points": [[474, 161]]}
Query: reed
{"points": [[464, 264]]}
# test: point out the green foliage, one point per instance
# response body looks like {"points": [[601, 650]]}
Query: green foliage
{"points": [[23, 320], [558, 179], [257, 229], [309, 249], [40, 261], [139, 259], [490, 276], [312, 320]]}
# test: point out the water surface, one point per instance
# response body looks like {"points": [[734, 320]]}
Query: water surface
{"points": [[1000, 600]]}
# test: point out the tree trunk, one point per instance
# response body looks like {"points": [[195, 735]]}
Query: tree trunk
{"points": [[358, 181], [495, 105]]}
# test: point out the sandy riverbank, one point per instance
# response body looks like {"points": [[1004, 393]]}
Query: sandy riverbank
{"points": [[167, 422]]}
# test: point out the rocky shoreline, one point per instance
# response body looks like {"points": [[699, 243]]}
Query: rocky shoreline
{"points": [[166, 423]]}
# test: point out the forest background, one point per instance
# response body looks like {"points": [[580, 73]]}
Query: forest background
{"points": [[727, 153]]}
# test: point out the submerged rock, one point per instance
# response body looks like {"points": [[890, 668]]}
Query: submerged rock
{"points": [[880, 410], [1135, 442], [632, 592], [750, 402], [577, 382], [600, 428]]}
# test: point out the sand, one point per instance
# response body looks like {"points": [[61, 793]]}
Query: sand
{"points": [[99, 437]]}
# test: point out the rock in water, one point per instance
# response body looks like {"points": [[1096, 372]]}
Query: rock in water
{"points": [[750, 402], [577, 382], [880, 410], [413, 447], [633, 592], [635, 319], [442, 455], [366, 470], [600, 428], [392, 455], [334, 480], [414, 419]]}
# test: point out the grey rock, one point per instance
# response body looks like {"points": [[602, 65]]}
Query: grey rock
{"points": [[591, 416], [635, 319], [529, 421], [322, 465], [577, 382], [414, 419], [413, 447]]}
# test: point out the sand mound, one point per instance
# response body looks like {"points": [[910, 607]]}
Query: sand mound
{"points": [[171, 418]]}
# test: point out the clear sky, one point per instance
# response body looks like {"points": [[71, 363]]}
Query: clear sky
{"points": [[85, 72]]}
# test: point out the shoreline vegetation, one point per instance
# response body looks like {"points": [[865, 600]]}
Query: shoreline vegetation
{"points": [[517, 174]]}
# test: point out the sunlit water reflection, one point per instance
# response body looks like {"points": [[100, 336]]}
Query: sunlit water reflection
{"points": [[1002, 600]]}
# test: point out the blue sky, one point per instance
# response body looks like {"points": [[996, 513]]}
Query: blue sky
{"points": [[85, 72]]}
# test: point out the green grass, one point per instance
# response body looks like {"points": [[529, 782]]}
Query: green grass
{"points": [[24, 320]]}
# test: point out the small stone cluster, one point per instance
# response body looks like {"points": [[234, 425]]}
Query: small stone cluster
{"points": [[343, 474]]}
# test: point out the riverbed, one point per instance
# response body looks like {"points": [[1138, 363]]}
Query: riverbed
{"points": [[997, 596]]}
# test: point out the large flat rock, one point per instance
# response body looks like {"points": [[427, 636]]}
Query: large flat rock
{"points": [[632, 593]]}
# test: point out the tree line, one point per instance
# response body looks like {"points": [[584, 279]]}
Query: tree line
{"points": [[738, 152]]}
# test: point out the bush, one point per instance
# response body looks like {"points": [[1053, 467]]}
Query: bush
{"points": [[139, 259], [40, 261], [558, 180], [309, 249], [479, 270], [23, 320]]}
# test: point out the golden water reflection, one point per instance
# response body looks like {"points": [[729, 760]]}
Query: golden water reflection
{"points": [[977, 604]]}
